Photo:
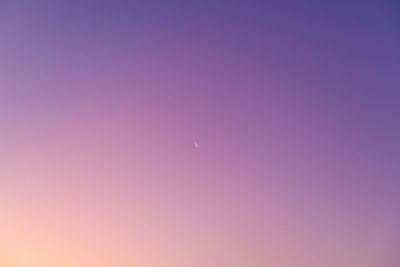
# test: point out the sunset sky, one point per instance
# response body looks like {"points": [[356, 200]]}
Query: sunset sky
{"points": [[295, 106]]}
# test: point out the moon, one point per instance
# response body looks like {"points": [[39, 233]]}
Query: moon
{"points": [[195, 144]]}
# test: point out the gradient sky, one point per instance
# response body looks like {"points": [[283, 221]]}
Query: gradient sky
{"points": [[295, 106]]}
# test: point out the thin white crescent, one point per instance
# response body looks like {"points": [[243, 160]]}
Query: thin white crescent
{"points": [[195, 144]]}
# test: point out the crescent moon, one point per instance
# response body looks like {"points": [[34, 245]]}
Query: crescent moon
{"points": [[195, 144]]}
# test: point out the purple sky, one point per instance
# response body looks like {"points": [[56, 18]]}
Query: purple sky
{"points": [[295, 105]]}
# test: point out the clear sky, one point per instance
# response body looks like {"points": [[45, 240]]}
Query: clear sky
{"points": [[295, 106]]}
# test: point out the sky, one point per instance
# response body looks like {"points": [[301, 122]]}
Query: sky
{"points": [[295, 106]]}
